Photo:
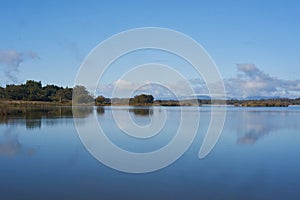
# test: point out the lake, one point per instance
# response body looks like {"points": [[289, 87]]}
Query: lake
{"points": [[256, 156]]}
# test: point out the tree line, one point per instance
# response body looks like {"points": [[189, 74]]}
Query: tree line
{"points": [[34, 91]]}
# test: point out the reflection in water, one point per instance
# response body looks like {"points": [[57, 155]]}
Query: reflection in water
{"points": [[254, 125], [145, 111], [33, 116], [251, 125], [251, 137], [64, 169], [10, 145], [33, 123], [82, 111], [100, 110]]}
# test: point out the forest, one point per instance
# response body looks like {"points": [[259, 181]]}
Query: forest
{"points": [[34, 91]]}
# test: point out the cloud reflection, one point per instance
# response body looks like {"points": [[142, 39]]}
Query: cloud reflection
{"points": [[254, 125], [11, 146]]}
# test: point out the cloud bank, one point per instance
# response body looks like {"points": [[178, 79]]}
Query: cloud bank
{"points": [[125, 87], [11, 60], [251, 81]]}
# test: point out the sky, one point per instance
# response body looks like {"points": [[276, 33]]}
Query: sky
{"points": [[255, 44]]}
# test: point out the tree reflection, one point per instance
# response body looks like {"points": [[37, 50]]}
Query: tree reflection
{"points": [[100, 110], [145, 111], [33, 116], [82, 111]]}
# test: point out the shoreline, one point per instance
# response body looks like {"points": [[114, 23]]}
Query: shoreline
{"points": [[188, 103]]}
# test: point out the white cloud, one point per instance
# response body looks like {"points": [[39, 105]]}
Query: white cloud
{"points": [[125, 88], [249, 81], [11, 60]]}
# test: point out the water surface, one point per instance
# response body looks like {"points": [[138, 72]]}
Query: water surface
{"points": [[256, 157]]}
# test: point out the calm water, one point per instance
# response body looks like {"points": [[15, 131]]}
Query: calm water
{"points": [[256, 157]]}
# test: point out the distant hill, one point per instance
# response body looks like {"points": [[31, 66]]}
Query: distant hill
{"points": [[261, 97]]}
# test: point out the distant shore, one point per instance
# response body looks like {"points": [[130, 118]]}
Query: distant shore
{"points": [[5, 102], [190, 102], [33, 93], [17, 107]]}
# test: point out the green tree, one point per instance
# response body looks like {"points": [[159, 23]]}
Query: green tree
{"points": [[64, 94], [15, 92], [68, 93], [2, 92], [81, 95], [79, 89], [82, 99], [142, 99], [102, 100], [49, 92], [34, 90]]}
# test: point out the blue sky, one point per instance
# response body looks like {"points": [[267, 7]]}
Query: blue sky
{"points": [[47, 41]]}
